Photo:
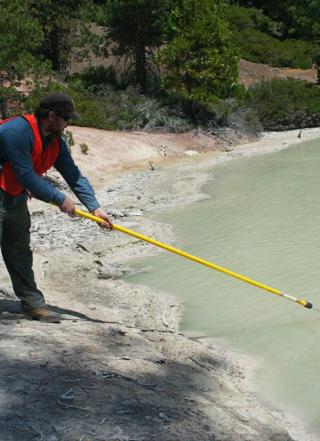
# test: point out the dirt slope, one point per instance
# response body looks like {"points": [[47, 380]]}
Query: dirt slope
{"points": [[251, 73]]}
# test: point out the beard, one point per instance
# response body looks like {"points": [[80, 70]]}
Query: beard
{"points": [[53, 135]]}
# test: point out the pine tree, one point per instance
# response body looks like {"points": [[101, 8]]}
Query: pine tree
{"points": [[200, 61], [65, 26], [137, 27]]}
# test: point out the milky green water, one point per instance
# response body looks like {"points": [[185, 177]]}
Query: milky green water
{"points": [[263, 220]]}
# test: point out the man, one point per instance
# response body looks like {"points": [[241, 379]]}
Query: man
{"points": [[29, 146]]}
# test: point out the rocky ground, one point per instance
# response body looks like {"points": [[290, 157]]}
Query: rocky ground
{"points": [[117, 368]]}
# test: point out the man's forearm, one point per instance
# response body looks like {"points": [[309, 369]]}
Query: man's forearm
{"points": [[84, 192]]}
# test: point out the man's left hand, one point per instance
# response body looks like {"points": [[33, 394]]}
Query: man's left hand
{"points": [[98, 212]]}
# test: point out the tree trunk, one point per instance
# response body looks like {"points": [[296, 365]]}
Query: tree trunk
{"points": [[54, 48], [318, 75], [3, 102], [140, 63]]}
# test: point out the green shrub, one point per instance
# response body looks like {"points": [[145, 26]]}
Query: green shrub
{"points": [[284, 104], [88, 105], [114, 110], [94, 78], [84, 148], [232, 112], [68, 137], [241, 19], [257, 38], [130, 110], [258, 47], [10, 102], [242, 118]]}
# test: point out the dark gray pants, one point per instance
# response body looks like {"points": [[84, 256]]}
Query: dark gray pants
{"points": [[16, 252]]}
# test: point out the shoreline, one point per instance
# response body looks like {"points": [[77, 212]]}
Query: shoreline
{"points": [[297, 429], [132, 373], [205, 161]]}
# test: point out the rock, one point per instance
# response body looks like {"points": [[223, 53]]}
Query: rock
{"points": [[110, 189], [37, 212], [116, 213], [115, 332], [165, 417], [191, 153], [133, 213], [111, 270]]}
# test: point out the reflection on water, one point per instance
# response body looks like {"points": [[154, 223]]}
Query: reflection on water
{"points": [[263, 221]]}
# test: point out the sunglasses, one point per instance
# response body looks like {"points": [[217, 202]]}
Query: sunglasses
{"points": [[66, 118]]}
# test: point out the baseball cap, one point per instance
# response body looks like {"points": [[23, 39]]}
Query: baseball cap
{"points": [[60, 103]]}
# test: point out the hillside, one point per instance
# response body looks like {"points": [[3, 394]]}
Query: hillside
{"points": [[251, 73]]}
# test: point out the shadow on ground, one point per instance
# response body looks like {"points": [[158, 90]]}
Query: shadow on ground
{"points": [[53, 389], [13, 307], [114, 386]]}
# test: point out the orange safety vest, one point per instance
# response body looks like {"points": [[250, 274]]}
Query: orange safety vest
{"points": [[42, 159]]}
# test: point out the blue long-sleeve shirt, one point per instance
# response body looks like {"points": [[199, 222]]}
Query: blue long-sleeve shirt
{"points": [[16, 145]]}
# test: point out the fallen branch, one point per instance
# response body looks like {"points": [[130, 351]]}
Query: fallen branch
{"points": [[200, 364], [159, 330], [109, 374], [164, 321], [72, 406]]}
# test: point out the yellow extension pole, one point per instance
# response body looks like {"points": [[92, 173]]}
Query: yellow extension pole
{"points": [[211, 265]]}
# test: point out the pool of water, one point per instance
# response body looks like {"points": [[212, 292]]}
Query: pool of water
{"points": [[263, 220]]}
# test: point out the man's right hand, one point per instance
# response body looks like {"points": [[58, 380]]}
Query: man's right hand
{"points": [[67, 206]]}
